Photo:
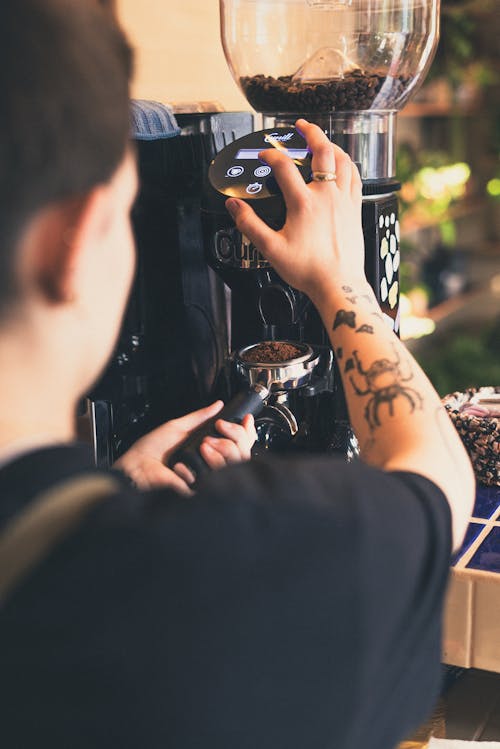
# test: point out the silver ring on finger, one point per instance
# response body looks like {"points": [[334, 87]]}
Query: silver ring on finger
{"points": [[323, 176]]}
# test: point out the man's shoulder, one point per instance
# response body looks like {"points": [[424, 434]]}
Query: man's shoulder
{"points": [[243, 521]]}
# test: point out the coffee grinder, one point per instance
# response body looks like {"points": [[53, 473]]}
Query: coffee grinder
{"points": [[348, 66]]}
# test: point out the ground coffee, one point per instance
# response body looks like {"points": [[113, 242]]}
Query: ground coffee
{"points": [[272, 352], [356, 91]]}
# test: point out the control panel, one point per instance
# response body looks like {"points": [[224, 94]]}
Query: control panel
{"points": [[238, 172]]}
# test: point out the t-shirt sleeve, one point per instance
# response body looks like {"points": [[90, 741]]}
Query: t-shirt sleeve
{"points": [[345, 568], [404, 548]]}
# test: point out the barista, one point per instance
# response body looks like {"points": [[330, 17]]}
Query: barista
{"points": [[288, 603]]}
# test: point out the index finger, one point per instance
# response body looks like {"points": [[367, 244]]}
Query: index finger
{"points": [[287, 176], [327, 156], [323, 151], [194, 419]]}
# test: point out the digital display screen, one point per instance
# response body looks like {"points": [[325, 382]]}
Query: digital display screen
{"points": [[253, 153]]}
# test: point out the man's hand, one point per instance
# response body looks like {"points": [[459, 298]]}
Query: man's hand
{"points": [[397, 416], [146, 461], [321, 242]]}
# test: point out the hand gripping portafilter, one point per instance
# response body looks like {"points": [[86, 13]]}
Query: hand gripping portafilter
{"points": [[263, 379]]}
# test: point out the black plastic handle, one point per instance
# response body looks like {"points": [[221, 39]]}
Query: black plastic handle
{"points": [[247, 402]]}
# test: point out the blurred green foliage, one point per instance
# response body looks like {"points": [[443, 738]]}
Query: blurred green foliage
{"points": [[460, 55], [462, 359]]}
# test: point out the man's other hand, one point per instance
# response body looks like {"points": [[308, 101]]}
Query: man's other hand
{"points": [[145, 463]]}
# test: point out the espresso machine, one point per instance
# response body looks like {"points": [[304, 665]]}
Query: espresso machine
{"points": [[209, 318], [349, 66]]}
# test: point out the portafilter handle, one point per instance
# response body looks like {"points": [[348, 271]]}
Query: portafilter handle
{"points": [[246, 402]]}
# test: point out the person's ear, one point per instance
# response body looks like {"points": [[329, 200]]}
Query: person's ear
{"points": [[58, 237]]}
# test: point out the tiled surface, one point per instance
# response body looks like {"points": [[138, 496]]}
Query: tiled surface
{"points": [[487, 502], [482, 540], [487, 557], [471, 534]]}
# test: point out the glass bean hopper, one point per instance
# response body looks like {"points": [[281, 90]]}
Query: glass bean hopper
{"points": [[348, 65]]}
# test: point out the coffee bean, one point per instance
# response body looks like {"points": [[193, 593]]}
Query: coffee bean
{"points": [[357, 91]]}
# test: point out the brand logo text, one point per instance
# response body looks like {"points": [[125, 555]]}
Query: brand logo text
{"points": [[276, 136]]}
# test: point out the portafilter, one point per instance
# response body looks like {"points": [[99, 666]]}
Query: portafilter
{"points": [[264, 378]]}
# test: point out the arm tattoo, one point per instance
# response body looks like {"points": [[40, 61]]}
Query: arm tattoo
{"points": [[365, 329], [349, 366], [353, 297], [384, 382], [344, 317], [339, 353]]}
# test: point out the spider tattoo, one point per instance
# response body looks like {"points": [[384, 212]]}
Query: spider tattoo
{"points": [[383, 381]]}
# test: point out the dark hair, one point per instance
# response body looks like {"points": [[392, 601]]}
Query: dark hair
{"points": [[65, 68]]}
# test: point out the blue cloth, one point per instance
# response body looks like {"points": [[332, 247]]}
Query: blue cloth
{"points": [[152, 120]]}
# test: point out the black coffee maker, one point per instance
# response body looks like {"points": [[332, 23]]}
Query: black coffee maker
{"points": [[197, 316], [348, 66], [309, 414]]}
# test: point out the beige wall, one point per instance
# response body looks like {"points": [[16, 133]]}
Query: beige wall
{"points": [[179, 54]]}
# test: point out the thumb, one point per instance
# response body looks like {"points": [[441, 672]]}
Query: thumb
{"points": [[249, 224], [197, 418]]}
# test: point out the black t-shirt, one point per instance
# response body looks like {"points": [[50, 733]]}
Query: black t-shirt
{"points": [[290, 604]]}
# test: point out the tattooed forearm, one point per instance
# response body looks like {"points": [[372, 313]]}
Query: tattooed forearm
{"points": [[384, 382], [353, 297]]}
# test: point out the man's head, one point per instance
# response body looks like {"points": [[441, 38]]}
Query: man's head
{"points": [[66, 175]]}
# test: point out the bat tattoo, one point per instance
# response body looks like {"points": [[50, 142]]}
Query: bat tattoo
{"points": [[344, 317], [365, 329]]}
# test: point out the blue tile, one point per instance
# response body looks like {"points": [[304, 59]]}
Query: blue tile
{"points": [[471, 534], [487, 501], [487, 557]]}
